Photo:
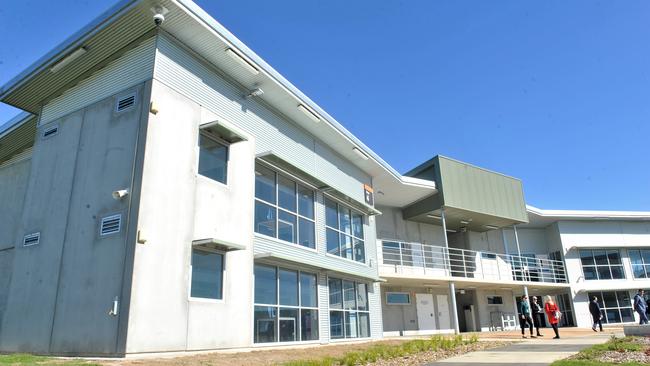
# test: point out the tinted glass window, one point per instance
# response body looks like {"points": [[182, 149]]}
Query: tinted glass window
{"points": [[264, 183], [265, 285], [213, 159], [207, 274]]}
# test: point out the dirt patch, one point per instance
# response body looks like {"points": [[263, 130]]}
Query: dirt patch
{"points": [[279, 356]]}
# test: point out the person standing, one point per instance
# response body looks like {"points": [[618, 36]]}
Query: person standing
{"points": [[538, 313], [640, 307], [553, 314], [524, 309], [596, 315]]}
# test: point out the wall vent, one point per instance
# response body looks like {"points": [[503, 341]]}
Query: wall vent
{"points": [[50, 131], [31, 239], [125, 103], [110, 225]]}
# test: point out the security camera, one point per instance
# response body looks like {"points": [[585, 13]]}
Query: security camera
{"points": [[118, 195], [158, 19], [159, 13]]}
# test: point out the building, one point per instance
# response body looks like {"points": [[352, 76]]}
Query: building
{"points": [[167, 190]]}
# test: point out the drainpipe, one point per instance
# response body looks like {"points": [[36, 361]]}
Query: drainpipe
{"points": [[514, 227], [452, 286]]}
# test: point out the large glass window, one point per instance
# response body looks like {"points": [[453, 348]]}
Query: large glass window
{"points": [[616, 306], [286, 305], [213, 158], [344, 231], [349, 315], [601, 264], [207, 274], [640, 259], [284, 209]]}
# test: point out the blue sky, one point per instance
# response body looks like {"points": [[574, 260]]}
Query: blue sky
{"points": [[556, 93]]}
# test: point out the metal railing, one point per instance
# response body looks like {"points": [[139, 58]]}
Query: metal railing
{"points": [[453, 262]]}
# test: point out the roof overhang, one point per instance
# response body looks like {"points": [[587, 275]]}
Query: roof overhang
{"points": [[542, 218], [130, 20], [277, 258]]}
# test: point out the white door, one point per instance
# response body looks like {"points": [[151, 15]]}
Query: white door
{"points": [[426, 312], [443, 312]]}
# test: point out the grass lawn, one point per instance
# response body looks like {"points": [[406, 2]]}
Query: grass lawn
{"points": [[593, 356], [21, 359]]}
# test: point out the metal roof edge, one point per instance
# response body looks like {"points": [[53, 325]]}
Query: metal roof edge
{"points": [[15, 122], [301, 97], [63, 48], [586, 214]]}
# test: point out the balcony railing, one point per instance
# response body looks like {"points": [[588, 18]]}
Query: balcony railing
{"points": [[452, 262]]}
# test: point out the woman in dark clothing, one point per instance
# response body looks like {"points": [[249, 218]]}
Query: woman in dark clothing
{"points": [[524, 309], [553, 314], [538, 313], [594, 309]]}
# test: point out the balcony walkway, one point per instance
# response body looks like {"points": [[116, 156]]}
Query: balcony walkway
{"points": [[415, 260]]}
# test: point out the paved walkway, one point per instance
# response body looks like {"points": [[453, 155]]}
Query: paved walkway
{"points": [[539, 351]]}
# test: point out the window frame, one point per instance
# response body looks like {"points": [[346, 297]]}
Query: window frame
{"points": [[341, 233], [278, 306], [408, 294], [277, 208], [345, 311], [645, 265], [596, 266], [223, 275], [217, 139], [604, 308]]}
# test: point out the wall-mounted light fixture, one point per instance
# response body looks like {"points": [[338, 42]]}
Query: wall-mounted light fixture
{"points": [[255, 93], [309, 112], [361, 154], [490, 227], [248, 65], [432, 216], [69, 58]]}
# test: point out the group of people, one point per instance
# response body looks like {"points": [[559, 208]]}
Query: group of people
{"points": [[533, 317]]}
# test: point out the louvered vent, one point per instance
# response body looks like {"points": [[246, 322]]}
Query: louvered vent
{"points": [[31, 239], [50, 131], [125, 103], [110, 225]]}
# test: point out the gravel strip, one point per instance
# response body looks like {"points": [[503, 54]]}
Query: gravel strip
{"points": [[621, 357], [430, 356]]}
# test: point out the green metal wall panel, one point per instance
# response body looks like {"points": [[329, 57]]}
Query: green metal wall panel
{"points": [[467, 187]]}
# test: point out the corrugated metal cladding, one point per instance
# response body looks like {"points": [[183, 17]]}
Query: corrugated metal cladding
{"points": [[18, 140], [478, 190], [323, 307], [374, 302], [176, 68], [134, 67], [115, 37]]}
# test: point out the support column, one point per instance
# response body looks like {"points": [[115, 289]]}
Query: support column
{"points": [[514, 227], [452, 286]]}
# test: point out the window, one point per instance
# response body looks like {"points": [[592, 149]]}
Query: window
{"points": [[207, 274], [398, 298], [349, 312], [286, 305], [344, 231], [616, 306], [640, 259], [601, 264], [284, 209], [213, 158], [495, 300]]}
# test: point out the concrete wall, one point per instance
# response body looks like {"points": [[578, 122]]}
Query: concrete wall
{"points": [[173, 213], [62, 288]]}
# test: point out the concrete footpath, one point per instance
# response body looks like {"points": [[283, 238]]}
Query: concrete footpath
{"points": [[538, 351]]}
